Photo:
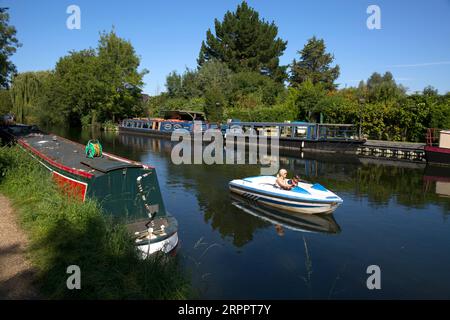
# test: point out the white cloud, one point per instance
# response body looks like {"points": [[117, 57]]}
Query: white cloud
{"points": [[425, 64]]}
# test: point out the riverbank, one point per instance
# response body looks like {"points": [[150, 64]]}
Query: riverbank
{"points": [[64, 232]]}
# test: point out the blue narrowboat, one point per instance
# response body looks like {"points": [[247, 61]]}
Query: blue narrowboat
{"points": [[192, 121]]}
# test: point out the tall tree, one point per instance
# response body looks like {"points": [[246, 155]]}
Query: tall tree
{"points": [[174, 84], [314, 65], [383, 87], [8, 46], [96, 85], [118, 71], [5, 101], [25, 92], [245, 43], [77, 90]]}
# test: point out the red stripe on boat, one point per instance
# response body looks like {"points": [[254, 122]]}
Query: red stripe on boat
{"points": [[73, 188], [54, 163]]}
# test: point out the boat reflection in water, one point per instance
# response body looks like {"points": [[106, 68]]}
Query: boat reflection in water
{"points": [[283, 219], [440, 178]]}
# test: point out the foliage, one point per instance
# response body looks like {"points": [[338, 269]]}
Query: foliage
{"points": [[8, 46], [64, 232], [26, 91], [251, 84], [314, 66], [109, 126], [279, 112], [382, 88], [93, 85], [5, 101], [245, 43], [121, 83]]}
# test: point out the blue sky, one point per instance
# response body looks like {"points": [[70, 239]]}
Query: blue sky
{"points": [[413, 42]]}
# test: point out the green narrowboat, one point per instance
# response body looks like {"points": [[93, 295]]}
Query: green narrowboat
{"points": [[126, 189]]}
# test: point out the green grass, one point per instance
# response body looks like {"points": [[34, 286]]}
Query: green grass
{"points": [[66, 232]]}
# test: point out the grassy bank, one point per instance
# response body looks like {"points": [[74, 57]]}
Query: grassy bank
{"points": [[65, 232]]}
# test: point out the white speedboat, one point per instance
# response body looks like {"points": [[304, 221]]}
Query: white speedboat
{"points": [[304, 198]]}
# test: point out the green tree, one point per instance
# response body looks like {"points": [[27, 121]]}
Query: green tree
{"points": [[77, 90], [308, 97], [215, 101], [184, 85], [5, 101], [95, 85], [214, 73], [314, 66], [25, 94], [118, 73], [251, 89], [8, 46], [245, 43], [384, 88], [174, 84]]}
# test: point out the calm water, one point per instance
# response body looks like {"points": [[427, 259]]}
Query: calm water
{"points": [[395, 217]]}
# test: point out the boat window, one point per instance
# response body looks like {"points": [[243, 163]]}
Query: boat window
{"points": [[128, 124], [145, 125], [301, 131]]}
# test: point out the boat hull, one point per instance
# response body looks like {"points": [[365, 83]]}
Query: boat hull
{"points": [[294, 206], [437, 155], [167, 245]]}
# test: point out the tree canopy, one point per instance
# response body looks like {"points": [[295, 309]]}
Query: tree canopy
{"points": [[8, 46], [25, 94], [382, 87], [94, 85], [314, 66], [245, 43]]}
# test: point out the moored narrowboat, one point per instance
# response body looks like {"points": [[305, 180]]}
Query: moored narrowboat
{"points": [[298, 135], [170, 121], [126, 189]]}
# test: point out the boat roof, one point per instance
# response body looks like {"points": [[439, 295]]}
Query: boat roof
{"points": [[184, 115], [68, 155]]}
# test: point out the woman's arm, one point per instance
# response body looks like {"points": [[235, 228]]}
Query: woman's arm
{"points": [[283, 184]]}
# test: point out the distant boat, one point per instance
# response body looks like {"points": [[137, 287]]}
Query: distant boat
{"points": [[170, 121], [125, 188], [304, 198]]}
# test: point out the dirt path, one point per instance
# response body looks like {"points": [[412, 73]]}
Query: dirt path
{"points": [[16, 273]]}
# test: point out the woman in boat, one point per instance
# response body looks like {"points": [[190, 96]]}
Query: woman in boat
{"points": [[284, 183]]}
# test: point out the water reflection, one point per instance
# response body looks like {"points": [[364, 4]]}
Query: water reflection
{"points": [[437, 179], [380, 183], [291, 221]]}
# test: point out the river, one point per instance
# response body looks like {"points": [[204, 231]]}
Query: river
{"points": [[395, 215]]}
